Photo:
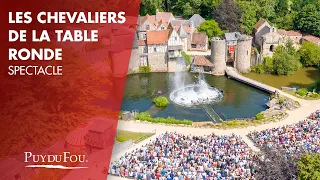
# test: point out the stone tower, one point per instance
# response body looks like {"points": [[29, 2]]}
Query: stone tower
{"points": [[218, 56], [243, 61]]}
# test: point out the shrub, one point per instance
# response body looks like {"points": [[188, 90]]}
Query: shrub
{"points": [[161, 101], [268, 64], [302, 92], [144, 69], [280, 101], [258, 69], [259, 116], [314, 95], [143, 116]]}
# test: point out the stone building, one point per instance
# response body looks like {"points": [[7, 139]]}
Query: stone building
{"points": [[268, 37], [199, 42], [161, 38], [234, 51]]}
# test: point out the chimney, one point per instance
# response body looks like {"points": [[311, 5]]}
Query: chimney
{"points": [[157, 11], [192, 26]]}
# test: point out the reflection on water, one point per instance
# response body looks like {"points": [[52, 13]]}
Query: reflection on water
{"points": [[240, 100]]}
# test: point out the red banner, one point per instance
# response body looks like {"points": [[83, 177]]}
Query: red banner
{"points": [[59, 115]]}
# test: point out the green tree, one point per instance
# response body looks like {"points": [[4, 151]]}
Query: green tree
{"points": [[287, 21], [308, 19], [187, 10], [267, 9], [309, 167], [228, 15], [150, 6], [249, 15], [211, 28], [310, 54], [282, 7], [268, 64], [285, 60], [207, 6]]}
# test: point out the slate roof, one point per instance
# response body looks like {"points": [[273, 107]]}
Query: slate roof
{"points": [[197, 20], [199, 38], [201, 61], [158, 37], [231, 36]]}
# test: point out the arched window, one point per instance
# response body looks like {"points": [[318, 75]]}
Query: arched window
{"points": [[271, 48]]}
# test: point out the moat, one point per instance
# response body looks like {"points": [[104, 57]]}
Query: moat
{"points": [[239, 100]]}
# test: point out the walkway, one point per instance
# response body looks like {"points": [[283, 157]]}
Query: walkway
{"points": [[233, 73]]}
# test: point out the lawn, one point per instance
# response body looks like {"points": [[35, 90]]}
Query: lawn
{"points": [[134, 136], [304, 77]]}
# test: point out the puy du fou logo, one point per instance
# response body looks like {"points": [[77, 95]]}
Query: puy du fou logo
{"points": [[47, 159]]}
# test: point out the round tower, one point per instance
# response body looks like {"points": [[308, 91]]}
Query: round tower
{"points": [[218, 56], [243, 58]]}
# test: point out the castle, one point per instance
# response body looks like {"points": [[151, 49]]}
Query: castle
{"points": [[234, 50]]}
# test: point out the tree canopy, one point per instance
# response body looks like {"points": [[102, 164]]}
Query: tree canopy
{"points": [[211, 28], [285, 60], [309, 167], [310, 54], [228, 15]]}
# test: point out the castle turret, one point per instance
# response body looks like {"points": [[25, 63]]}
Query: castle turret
{"points": [[243, 61], [218, 56]]}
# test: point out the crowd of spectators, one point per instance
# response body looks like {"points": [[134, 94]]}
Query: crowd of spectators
{"points": [[303, 137], [173, 156]]}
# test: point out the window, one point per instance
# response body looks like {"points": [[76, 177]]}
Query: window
{"points": [[148, 27], [175, 38], [162, 28], [155, 49], [271, 48]]}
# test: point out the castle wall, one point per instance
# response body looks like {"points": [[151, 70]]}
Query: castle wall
{"points": [[158, 62], [243, 61], [218, 57]]}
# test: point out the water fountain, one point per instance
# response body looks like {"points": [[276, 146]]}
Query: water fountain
{"points": [[191, 95]]}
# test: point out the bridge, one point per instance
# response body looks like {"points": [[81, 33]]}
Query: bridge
{"points": [[233, 73]]}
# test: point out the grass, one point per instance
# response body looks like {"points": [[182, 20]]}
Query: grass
{"points": [[304, 78], [134, 136]]}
